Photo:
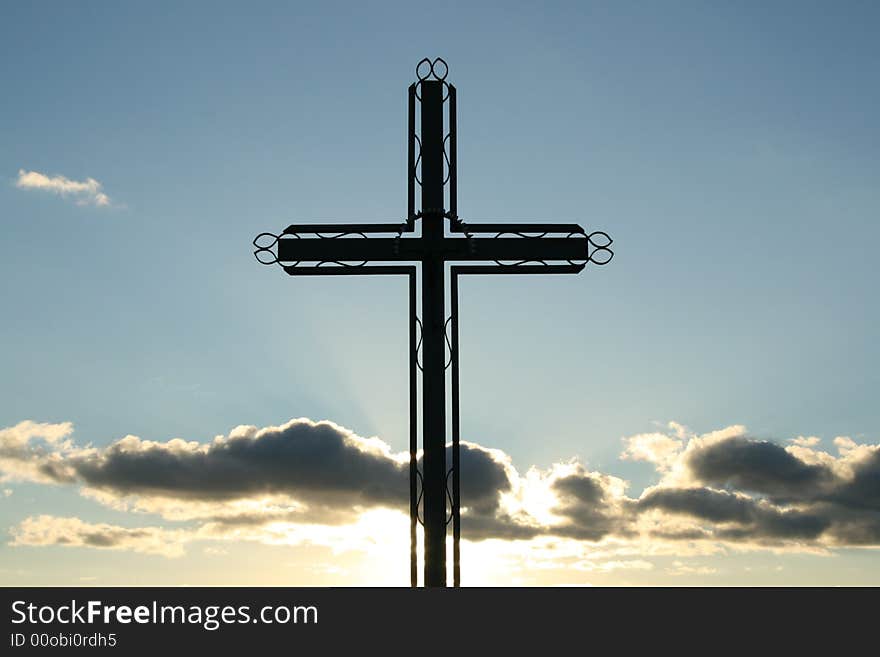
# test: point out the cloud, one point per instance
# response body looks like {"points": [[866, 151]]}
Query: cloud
{"points": [[35, 451], [610, 566], [758, 466], [759, 492], [85, 192], [302, 471], [593, 505], [738, 517], [50, 530], [657, 448], [318, 482], [681, 568], [806, 441], [319, 462]]}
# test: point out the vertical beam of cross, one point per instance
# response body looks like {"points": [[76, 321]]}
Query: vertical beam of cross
{"points": [[520, 248], [433, 335]]}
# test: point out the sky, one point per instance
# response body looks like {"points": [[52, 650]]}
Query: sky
{"points": [[700, 411]]}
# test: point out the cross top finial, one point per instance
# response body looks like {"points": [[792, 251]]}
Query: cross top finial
{"points": [[428, 70]]}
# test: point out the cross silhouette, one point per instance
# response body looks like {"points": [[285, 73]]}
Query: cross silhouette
{"points": [[502, 248]]}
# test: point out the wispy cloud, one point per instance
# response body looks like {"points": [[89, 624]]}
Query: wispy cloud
{"points": [[73, 532], [82, 192]]}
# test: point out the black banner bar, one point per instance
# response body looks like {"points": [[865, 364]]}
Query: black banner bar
{"points": [[297, 621]]}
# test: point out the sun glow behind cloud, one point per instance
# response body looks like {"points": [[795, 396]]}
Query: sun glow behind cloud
{"points": [[308, 484], [317, 485]]}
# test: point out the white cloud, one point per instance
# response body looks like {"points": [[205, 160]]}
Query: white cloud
{"points": [[658, 448], [610, 566], [681, 568], [35, 451], [73, 532], [83, 192]]}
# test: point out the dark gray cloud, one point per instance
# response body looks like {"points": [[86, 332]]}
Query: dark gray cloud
{"points": [[702, 503], [483, 479], [738, 518], [858, 528], [330, 469], [783, 497], [733, 489], [482, 526], [758, 466], [586, 504], [862, 492], [313, 461]]}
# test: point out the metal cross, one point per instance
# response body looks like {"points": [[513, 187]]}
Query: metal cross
{"points": [[350, 249]]}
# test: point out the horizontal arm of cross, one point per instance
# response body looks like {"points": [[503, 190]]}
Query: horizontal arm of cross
{"points": [[448, 249], [457, 226]]}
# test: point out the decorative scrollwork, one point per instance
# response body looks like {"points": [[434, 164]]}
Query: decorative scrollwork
{"points": [[446, 159], [449, 497], [265, 254], [598, 245], [448, 342], [432, 70], [337, 262], [421, 487], [525, 236], [578, 262], [415, 171], [427, 70], [263, 247], [600, 241], [419, 345]]}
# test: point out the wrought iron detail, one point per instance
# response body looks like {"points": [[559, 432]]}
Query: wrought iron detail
{"points": [[420, 517], [415, 171], [266, 248], [602, 246], [347, 249], [431, 73], [418, 345], [448, 342], [452, 509]]}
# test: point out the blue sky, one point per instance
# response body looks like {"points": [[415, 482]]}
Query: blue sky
{"points": [[731, 151]]}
